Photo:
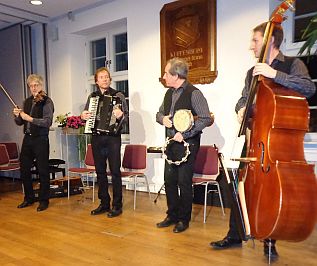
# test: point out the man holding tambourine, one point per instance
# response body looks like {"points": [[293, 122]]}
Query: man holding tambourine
{"points": [[182, 102]]}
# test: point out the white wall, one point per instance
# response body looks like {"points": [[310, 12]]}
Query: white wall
{"points": [[67, 59]]}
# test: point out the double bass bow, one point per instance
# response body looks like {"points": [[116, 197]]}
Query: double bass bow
{"points": [[280, 187], [238, 206]]}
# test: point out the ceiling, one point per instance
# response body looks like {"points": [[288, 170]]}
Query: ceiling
{"points": [[21, 11]]}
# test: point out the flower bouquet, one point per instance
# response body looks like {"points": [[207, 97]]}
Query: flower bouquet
{"points": [[66, 122], [62, 120], [74, 122]]}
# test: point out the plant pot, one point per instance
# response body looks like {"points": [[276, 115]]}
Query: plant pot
{"points": [[71, 131]]}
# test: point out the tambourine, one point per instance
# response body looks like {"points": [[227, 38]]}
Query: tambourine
{"points": [[183, 120], [176, 162]]}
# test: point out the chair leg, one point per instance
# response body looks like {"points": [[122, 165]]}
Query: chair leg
{"points": [[205, 203], [134, 199], [85, 181], [220, 198], [93, 188], [147, 185]]}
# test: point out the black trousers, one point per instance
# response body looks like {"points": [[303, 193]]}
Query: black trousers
{"points": [[35, 147], [108, 148], [178, 184]]}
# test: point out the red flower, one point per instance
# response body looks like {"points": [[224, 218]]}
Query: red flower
{"points": [[74, 122]]}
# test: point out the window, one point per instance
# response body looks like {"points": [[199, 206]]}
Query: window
{"points": [[294, 27], [311, 64], [123, 86], [113, 55], [121, 52], [110, 49], [295, 24], [304, 12], [98, 54]]}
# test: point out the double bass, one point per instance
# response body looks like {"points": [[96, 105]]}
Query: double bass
{"points": [[280, 187]]}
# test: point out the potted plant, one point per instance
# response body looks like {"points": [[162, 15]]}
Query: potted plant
{"points": [[74, 125], [61, 120], [310, 37], [70, 124]]}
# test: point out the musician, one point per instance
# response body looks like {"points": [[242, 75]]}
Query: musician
{"points": [[107, 147], [36, 117], [290, 73], [178, 178]]}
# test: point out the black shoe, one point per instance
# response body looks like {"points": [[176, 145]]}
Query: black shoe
{"points": [[42, 206], [180, 227], [25, 204], [166, 222], [99, 210], [274, 254], [114, 213], [227, 242]]}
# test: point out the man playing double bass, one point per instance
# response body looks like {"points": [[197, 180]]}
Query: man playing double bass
{"points": [[286, 71]]}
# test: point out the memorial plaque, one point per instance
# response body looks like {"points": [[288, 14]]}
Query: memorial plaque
{"points": [[188, 31]]}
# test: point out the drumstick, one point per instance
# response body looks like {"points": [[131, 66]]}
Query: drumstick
{"points": [[14, 104]]}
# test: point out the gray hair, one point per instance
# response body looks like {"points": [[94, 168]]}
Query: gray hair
{"points": [[178, 67], [35, 78]]}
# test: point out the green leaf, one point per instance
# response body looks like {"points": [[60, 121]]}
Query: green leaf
{"points": [[310, 35]]}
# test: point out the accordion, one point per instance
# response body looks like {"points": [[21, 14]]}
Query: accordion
{"points": [[102, 119]]}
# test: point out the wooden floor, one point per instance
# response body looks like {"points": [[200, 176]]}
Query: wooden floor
{"points": [[66, 234]]}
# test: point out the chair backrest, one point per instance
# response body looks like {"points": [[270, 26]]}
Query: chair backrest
{"points": [[207, 162], [89, 158], [134, 156], [4, 156], [12, 149]]}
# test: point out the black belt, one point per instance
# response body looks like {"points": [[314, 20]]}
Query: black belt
{"points": [[32, 135]]}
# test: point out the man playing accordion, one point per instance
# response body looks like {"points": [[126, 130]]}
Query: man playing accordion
{"points": [[106, 144]]}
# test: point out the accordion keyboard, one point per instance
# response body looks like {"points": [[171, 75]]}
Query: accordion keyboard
{"points": [[93, 108]]}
